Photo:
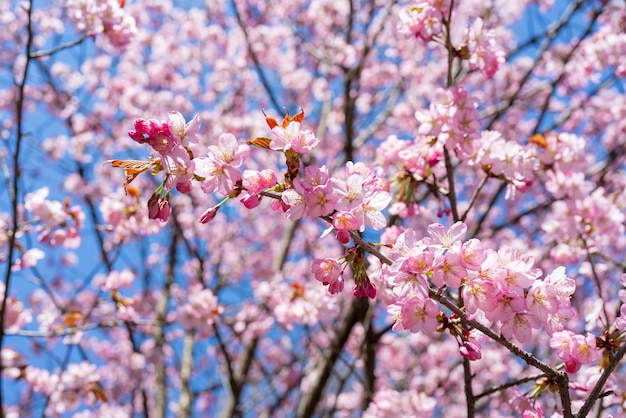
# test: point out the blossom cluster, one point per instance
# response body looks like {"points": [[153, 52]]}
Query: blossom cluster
{"points": [[426, 20], [80, 381], [500, 287], [355, 200], [507, 159], [16, 314], [351, 201], [200, 312], [107, 17], [451, 121], [484, 52], [58, 223], [330, 272], [574, 349]]}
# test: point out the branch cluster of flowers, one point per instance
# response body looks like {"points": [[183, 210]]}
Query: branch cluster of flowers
{"points": [[501, 288], [94, 17], [351, 202], [426, 20]]}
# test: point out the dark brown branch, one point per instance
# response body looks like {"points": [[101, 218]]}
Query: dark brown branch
{"points": [[255, 59], [567, 58], [68, 45], [552, 33], [14, 191], [308, 401]]}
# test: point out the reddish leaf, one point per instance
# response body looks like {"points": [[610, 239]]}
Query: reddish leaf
{"points": [[270, 121], [260, 142]]}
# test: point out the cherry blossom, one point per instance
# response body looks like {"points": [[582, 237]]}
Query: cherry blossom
{"points": [[293, 137], [460, 170], [219, 169]]}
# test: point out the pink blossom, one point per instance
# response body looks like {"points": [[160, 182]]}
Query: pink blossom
{"points": [[585, 350], [116, 280], [200, 312], [336, 286], [448, 269], [442, 238], [507, 305], [345, 221], [16, 315], [12, 362], [417, 314], [330, 273], [154, 133], [229, 151], [103, 17], [542, 300], [423, 19], [296, 207], [520, 327], [401, 403], [420, 260], [219, 168], [320, 201], [470, 350], [562, 341], [350, 192], [293, 137], [251, 201], [517, 163], [185, 133], [65, 388], [478, 295], [256, 181], [520, 275], [472, 254], [326, 270], [60, 223], [343, 236], [179, 168], [574, 349], [485, 53], [184, 187], [369, 213], [49, 211], [534, 412], [620, 322], [564, 286], [217, 176], [28, 259], [408, 284], [364, 288]]}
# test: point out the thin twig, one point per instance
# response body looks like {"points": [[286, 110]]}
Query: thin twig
{"points": [[14, 189], [68, 45]]}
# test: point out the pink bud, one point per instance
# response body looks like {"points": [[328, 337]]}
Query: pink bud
{"points": [[208, 215], [470, 351], [159, 207], [251, 202]]}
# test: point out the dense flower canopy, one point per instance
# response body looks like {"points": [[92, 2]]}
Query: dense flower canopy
{"points": [[313, 208]]}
